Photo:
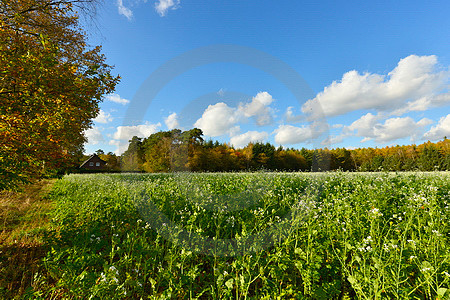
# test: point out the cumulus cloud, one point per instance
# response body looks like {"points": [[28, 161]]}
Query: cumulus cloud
{"points": [[172, 121], [259, 108], [363, 126], [94, 136], [162, 6], [218, 119], [125, 133], [369, 127], [424, 103], [103, 117], [397, 128], [413, 78], [439, 131], [290, 116], [117, 99], [121, 146], [290, 135], [124, 10], [240, 141], [331, 140]]}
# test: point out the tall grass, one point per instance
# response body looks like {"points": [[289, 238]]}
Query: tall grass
{"points": [[249, 236]]}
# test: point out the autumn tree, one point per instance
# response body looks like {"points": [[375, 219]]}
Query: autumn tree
{"points": [[51, 83]]}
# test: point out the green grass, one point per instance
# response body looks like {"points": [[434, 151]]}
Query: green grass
{"points": [[23, 222], [247, 236]]}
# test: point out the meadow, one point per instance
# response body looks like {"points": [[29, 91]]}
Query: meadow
{"points": [[248, 236]]}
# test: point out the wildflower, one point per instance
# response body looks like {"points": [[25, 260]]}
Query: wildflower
{"points": [[375, 212], [436, 232], [367, 240], [412, 242]]}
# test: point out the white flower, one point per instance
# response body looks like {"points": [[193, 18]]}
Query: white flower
{"points": [[412, 242], [375, 212], [367, 240], [436, 232]]}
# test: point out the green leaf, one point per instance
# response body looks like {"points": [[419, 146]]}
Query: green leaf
{"points": [[229, 283], [441, 292], [352, 280]]}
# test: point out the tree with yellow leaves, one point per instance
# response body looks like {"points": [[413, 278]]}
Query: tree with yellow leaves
{"points": [[51, 83]]}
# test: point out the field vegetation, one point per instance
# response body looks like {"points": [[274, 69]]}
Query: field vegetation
{"points": [[247, 236]]}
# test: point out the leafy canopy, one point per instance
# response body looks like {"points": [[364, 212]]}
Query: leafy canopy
{"points": [[51, 83]]}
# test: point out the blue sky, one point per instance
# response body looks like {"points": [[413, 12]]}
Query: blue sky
{"points": [[293, 73]]}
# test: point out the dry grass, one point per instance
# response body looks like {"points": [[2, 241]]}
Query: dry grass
{"points": [[23, 220]]}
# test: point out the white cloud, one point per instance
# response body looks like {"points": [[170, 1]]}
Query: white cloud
{"points": [[162, 6], [331, 140], [124, 10], [94, 136], [121, 146], [424, 103], [125, 133], [369, 127], [291, 118], [440, 130], [289, 135], [363, 126], [218, 119], [397, 128], [242, 140], [413, 78], [117, 99], [259, 108], [172, 121], [103, 117]]}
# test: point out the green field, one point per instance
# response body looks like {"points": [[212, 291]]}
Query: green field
{"points": [[248, 236]]}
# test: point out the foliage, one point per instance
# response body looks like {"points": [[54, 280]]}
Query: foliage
{"points": [[50, 85], [175, 150], [331, 235]]}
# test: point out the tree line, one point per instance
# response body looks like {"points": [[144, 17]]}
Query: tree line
{"points": [[176, 150]]}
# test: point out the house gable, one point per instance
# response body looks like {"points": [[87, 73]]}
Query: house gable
{"points": [[94, 163]]}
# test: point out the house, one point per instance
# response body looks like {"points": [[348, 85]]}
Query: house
{"points": [[94, 163]]}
